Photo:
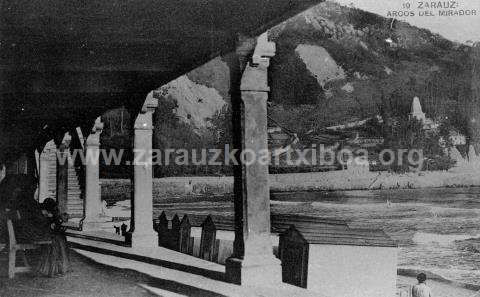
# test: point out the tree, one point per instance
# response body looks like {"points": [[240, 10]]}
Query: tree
{"points": [[408, 134], [220, 126]]}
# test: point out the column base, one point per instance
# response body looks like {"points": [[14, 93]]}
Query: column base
{"points": [[256, 271], [143, 240]]}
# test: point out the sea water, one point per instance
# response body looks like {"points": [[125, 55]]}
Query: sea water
{"points": [[437, 229]]}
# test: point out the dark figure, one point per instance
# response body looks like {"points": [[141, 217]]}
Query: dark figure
{"points": [[35, 222], [117, 230], [421, 289], [17, 195], [54, 259], [124, 229]]}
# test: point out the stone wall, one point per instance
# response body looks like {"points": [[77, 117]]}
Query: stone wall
{"points": [[177, 187], [170, 187], [345, 271]]}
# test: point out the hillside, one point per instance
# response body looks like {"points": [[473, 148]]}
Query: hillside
{"points": [[346, 63], [337, 61], [333, 64]]}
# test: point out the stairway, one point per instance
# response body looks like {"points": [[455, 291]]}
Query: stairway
{"points": [[50, 156], [75, 190]]}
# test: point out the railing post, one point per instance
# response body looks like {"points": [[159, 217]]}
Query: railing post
{"points": [[184, 235], [174, 233], [162, 229], [208, 239]]}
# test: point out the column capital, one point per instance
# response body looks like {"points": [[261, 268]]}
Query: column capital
{"points": [[94, 138], [66, 140], [97, 126], [144, 117], [255, 76], [264, 50], [150, 104]]}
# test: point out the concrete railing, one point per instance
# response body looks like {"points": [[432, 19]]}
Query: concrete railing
{"points": [[195, 235], [211, 237]]}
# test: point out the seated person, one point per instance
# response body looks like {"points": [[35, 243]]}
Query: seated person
{"points": [[36, 222], [17, 195], [55, 259]]}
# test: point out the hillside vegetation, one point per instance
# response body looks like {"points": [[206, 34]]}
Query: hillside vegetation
{"points": [[333, 64], [360, 64]]}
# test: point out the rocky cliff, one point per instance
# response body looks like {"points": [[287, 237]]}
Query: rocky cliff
{"points": [[337, 64]]}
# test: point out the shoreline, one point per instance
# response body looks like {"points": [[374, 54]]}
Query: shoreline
{"points": [[412, 272], [342, 180], [404, 271], [439, 289]]}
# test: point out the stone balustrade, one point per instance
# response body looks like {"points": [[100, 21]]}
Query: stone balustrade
{"points": [[306, 247]]}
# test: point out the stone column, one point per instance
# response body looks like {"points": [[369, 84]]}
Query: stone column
{"points": [[45, 160], [253, 262], [62, 172], [92, 201], [3, 171], [143, 235]]}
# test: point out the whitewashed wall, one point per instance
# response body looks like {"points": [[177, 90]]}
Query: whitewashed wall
{"points": [[352, 271]]}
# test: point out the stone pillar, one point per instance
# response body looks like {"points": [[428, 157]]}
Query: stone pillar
{"points": [[3, 171], [143, 235], [37, 163], [47, 156], [92, 201], [253, 262], [62, 172]]}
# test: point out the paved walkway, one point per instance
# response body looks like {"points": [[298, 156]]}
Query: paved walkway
{"points": [[87, 279], [93, 276], [153, 272], [179, 274]]}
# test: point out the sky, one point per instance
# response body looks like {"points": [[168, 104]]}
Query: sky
{"points": [[455, 28]]}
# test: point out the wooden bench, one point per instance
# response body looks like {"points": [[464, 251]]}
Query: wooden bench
{"points": [[14, 247]]}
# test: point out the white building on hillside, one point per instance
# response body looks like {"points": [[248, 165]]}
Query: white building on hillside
{"points": [[417, 113]]}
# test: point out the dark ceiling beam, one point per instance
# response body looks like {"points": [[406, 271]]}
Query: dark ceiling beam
{"points": [[67, 62]]}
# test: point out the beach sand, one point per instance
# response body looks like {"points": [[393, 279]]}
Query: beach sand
{"points": [[438, 289]]}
